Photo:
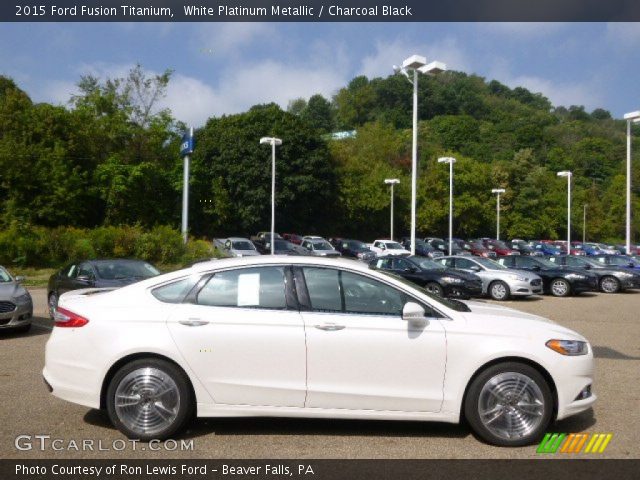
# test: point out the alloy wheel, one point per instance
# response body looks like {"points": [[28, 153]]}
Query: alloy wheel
{"points": [[560, 288], [609, 285]]}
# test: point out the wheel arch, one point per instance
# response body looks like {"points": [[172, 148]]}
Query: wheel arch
{"points": [[130, 358], [526, 361]]}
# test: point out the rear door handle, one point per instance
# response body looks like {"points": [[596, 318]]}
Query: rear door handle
{"points": [[330, 327], [194, 322]]}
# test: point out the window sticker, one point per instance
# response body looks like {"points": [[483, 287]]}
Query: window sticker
{"points": [[249, 290]]}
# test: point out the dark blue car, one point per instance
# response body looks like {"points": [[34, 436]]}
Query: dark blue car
{"points": [[621, 261]]}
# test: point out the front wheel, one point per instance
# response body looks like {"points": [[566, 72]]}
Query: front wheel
{"points": [[509, 405], [499, 290], [610, 285], [150, 399], [434, 288], [560, 288]]}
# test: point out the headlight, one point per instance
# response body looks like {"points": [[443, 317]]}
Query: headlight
{"points": [[25, 298], [571, 348], [576, 276], [452, 280], [519, 278]]}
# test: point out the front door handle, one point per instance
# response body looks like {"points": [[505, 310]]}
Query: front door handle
{"points": [[194, 322], [330, 327]]}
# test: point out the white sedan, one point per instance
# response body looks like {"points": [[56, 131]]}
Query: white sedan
{"points": [[311, 337]]}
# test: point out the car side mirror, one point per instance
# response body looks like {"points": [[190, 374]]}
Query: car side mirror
{"points": [[20, 278], [84, 279], [475, 268], [414, 314]]}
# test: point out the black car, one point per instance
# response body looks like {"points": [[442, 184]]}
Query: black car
{"points": [[283, 247], [432, 276], [105, 273], [423, 249], [443, 246], [524, 248], [611, 279], [556, 280], [353, 249]]}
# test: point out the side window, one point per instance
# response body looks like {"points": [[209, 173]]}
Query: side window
{"points": [[447, 262], [365, 295], [384, 263], [464, 263], [502, 261], [524, 261], [323, 285], [175, 292], [400, 264], [85, 270], [260, 287], [70, 271], [602, 260]]}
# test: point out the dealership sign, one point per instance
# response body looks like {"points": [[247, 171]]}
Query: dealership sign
{"points": [[187, 144]]}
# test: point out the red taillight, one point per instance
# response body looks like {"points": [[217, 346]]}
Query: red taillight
{"points": [[66, 318]]}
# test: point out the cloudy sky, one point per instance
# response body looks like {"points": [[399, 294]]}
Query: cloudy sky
{"points": [[227, 67]]}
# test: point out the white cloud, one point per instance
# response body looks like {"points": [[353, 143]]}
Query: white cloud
{"points": [[58, 92]]}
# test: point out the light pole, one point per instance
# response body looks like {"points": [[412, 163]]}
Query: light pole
{"points": [[392, 182], [584, 223], [450, 161], [632, 117], [415, 64], [186, 149], [568, 174], [273, 142], [497, 191]]}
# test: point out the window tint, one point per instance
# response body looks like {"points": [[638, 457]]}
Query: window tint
{"points": [[261, 287], [464, 263], [524, 261], [401, 264], [85, 270], [71, 272], [324, 289], [385, 263], [365, 295], [175, 292], [447, 262]]}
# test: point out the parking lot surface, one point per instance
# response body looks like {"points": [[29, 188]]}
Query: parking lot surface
{"points": [[610, 322]]}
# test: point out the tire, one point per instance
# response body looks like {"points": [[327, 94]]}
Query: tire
{"points": [[509, 404], [434, 288], [559, 287], [610, 284], [499, 290], [458, 293], [52, 303], [160, 416]]}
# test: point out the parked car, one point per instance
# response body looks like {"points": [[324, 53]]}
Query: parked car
{"points": [[557, 281], [575, 249], [293, 238], [422, 248], [547, 248], [103, 273], [443, 246], [240, 247], [611, 279], [354, 249], [262, 239], [499, 282], [621, 261], [16, 305], [366, 345], [479, 250], [320, 248], [388, 247], [523, 247], [283, 247], [633, 249], [435, 279], [603, 249], [499, 247]]}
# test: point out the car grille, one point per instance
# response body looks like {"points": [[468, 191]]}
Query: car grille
{"points": [[492, 254], [536, 282], [5, 321], [6, 307]]}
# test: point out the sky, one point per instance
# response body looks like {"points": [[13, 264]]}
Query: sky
{"points": [[225, 68]]}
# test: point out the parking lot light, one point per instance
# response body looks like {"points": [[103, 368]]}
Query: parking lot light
{"points": [[392, 182], [568, 174], [631, 117], [415, 64], [497, 191], [450, 161], [273, 142]]}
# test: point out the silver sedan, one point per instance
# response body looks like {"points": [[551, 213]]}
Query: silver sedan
{"points": [[499, 282], [16, 306]]}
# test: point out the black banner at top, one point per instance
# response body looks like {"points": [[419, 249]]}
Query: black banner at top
{"points": [[320, 11]]}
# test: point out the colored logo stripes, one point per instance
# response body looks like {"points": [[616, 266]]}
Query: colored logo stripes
{"points": [[574, 443]]}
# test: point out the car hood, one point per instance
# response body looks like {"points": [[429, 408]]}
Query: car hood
{"points": [[9, 290], [507, 321]]}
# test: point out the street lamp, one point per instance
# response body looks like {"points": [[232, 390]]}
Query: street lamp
{"points": [[392, 182], [584, 223], [273, 142], [568, 174], [450, 161], [415, 64], [497, 191], [635, 118]]}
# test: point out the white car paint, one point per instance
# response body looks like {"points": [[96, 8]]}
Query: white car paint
{"points": [[259, 362], [388, 247]]}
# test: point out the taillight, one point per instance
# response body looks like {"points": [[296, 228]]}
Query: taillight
{"points": [[66, 318]]}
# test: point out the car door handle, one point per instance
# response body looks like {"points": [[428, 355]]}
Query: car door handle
{"points": [[193, 322], [330, 327]]}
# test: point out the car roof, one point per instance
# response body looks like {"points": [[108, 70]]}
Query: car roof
{"points": [[238, 239]]}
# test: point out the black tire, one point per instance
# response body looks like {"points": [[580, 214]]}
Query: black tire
{"points": [[498, 290], [609, 284], [435, 288], [559, 287], [184, 410], [506, 370], [52, 302]]}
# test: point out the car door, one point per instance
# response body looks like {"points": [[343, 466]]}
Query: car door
{"points": [[241, 332], [361, 355], [407, 270]]}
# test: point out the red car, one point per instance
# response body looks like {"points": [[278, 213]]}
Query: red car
{"points": [[478, 249], [499, 247], [293, 238]]}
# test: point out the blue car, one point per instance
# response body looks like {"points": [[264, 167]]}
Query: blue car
{"points": [[547, 248], [620, 261]]}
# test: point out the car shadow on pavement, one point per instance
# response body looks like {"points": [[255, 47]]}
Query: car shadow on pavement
{"points": [[36, 329], [611, 354], [576, 424]]}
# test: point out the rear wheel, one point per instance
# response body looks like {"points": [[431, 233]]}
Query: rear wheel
{"points": [[434, 288], [610, 285], [509, 404], [150, 399], [499, 290], [560, 287]]}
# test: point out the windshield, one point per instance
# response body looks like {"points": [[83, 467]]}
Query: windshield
{"points": [[456, 305], [490, 264], [322, 245], [393, 246], [355, 245], [4, 276], [478, 245], [499, 244], [243, 245], [119, 269]]}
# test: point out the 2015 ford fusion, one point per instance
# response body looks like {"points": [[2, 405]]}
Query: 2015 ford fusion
{"points": [[311, 337]]}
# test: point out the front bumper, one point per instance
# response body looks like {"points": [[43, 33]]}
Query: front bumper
{"points": [[525, 288], [20, 316], [630, 282]]}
